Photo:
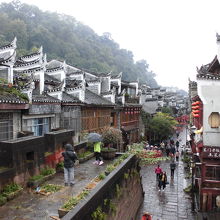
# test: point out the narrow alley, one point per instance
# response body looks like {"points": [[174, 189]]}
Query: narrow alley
{"points": [[173, 203]]}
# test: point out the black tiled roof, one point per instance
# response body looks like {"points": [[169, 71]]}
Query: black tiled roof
{"points": [[72, 83], [48, 78], [11, 99], [69, 98], [114, 84], [204, 74], [24, 64], [93, 98], [44, 98]]}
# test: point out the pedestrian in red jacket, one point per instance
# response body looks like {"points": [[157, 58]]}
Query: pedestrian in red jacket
{"points": [[158, 171]]}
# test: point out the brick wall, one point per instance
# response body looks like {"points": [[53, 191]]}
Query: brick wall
{"points": [[121, 189]]}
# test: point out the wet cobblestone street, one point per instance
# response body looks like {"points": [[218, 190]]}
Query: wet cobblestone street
{"points": [[171, 204], [31, 206]]}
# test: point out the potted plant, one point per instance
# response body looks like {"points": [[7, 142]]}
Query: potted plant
{"points": [[111, 138]]}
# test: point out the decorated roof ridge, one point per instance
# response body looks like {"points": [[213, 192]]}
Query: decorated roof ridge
{"points": [[32, 54], [53, 90], [26, 63], [8, 60], [209, 66], [101, 74], [54, 69], [205, 74], [49, 78], [70, 89], [45, 98], [75, 73], [116, 76], [95, 99], [93, 80], [32, 70], [69, 98], [11, 45]]}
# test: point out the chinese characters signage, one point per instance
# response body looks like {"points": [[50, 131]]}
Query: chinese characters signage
{"points": [[211, 152]]}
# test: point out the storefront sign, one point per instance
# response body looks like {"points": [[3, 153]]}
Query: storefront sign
{"points": [[211, 152]]}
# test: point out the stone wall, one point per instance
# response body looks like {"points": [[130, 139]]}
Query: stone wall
{"points": [[24, 157], [45, 108], [119, 196]]}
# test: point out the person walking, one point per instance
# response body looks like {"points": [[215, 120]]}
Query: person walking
{"points": [[158, 171], [162, 181], [177, 155], [69, 160], [177, 144], [172, 167], [97, 151], [168, 150]]}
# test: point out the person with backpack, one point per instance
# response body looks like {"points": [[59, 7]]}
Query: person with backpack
{"points": [[162, 181], [172, 167], [69, 160]]}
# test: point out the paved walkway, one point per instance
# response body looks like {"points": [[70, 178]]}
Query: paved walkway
{"points": [[173, 203], [31, 206]]}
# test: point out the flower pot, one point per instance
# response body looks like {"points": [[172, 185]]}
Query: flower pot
{"points": [[62, 212], [108, 154]]}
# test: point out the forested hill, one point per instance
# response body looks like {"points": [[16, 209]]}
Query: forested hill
{"points": [[65, 38]]}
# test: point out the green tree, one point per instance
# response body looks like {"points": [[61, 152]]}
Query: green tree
{"points": [[167, 110], [158, 127], [161, 126], [65, 38]]}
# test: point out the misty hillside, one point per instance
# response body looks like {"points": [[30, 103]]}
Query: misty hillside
{"points": [[65, 38]]}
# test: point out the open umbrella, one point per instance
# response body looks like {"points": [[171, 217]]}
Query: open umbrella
{"points": [[94, 137]]}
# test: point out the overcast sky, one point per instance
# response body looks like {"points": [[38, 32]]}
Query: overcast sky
{"points": [[174, 36]]}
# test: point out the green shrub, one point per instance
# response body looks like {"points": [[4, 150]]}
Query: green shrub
{"points": [[13, 187], [73, 201], [109, 168], [36, 177], [51, 188], [3, 200], [102, 176], [47, 171], [60, 165]]}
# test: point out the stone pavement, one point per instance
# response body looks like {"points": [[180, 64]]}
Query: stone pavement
{"points": [[173, 203], [31, 206]]}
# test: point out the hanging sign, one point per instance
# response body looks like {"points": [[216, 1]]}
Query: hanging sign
{"points": [[211, 152]]}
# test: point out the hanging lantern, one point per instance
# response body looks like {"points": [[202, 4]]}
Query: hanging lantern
{"points": [[196, 111], [195, 107]]}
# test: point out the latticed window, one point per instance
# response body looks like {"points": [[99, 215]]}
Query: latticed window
{"points": [[39, 126], [212, 173], [71, 119], [6, 126]]}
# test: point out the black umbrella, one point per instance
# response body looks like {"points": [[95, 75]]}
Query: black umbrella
{"points": [[94, 137]]}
